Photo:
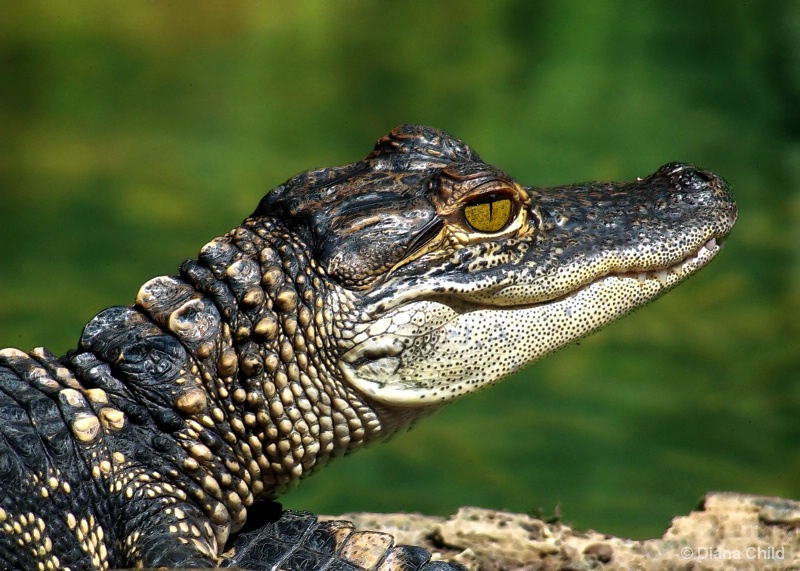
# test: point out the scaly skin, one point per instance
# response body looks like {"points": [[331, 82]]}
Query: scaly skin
{"points": [[354, 301]]}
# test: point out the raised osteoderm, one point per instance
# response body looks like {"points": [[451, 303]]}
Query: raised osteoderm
{"points": [[353, 301]]}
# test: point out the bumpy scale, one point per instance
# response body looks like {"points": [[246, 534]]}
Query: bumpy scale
{"points": [[352, 302]]}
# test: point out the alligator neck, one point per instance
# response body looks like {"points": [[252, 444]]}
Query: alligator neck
{"points": [[270, 372], [235, 359]]}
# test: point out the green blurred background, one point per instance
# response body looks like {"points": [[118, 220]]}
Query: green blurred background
{"points": [[131, 133]]}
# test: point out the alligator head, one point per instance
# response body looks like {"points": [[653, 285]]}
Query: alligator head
{"points": [[461, 275]]}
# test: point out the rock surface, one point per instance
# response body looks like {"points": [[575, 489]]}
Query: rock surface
{"points": [[728, 531]]}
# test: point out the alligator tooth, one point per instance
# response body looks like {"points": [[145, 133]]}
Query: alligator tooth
{"points": [[662, 276]]}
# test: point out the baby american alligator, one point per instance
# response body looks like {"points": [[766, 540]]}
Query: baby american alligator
{"points": [[354, 301]]}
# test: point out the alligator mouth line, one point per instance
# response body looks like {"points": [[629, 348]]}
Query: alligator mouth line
{"points": [[667, 277], [689, 264]]}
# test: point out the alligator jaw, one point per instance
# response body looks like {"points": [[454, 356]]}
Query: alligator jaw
{"points": [[666, 277], [375, 365], [671, 275]]}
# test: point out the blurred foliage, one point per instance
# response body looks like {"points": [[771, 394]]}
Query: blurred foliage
{"points": [[132, 132]]}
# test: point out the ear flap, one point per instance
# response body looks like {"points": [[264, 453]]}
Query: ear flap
{"points": [[366, 218], [366, 237]]}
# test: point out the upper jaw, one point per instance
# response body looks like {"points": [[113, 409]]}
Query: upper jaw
{"points": [[662, 227]]}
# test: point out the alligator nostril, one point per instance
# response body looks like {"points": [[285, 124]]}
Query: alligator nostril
{"points": [[696, 180], [688, 178], [674, 169]]}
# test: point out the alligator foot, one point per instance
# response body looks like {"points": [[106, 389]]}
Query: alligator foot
{"points": [[298, 540]]}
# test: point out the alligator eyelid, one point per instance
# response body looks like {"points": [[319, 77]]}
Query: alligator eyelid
{"points": [[427, 233]]}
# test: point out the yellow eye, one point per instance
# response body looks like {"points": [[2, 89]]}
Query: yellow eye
{"points": [[489, 215]]}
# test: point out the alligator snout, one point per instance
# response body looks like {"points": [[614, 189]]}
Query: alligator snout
{"points": [[696, 193], [687, 178]]}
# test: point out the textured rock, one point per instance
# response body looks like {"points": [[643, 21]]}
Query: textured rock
{"points": [[729, 531]]}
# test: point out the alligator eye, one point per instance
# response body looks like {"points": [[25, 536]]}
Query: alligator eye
{"points": [[489, 213]]}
